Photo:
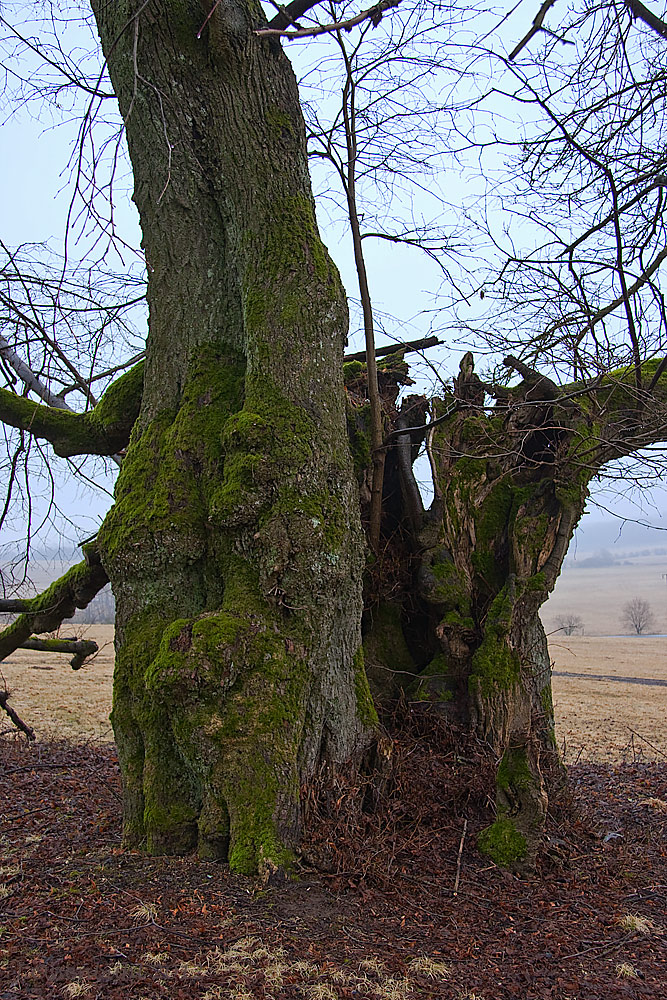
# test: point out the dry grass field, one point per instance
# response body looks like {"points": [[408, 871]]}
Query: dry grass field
{"points": [[597, 595], [58, 701], [610, 720]]}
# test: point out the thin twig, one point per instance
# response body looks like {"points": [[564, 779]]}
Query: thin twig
{"points": [[652, 746], [458, 860], [373, 13]]}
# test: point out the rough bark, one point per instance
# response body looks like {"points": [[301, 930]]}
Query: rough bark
{"points": [[234, 547], [458, 627]]}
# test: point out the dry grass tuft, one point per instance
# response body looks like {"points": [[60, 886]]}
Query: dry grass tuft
{"points": [[319, 991], [373, 964], [77, 988], [305, 969], [393, 989], [155, 957], [653, 803], [144, 913], [425, 966], [626, 971], [634, 923]]}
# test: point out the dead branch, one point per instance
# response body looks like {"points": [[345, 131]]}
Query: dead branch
{"points": [[536, 26], [458, 860], [80, 649], [47, 611], [16, 719], [374, 14], [407, 347]]}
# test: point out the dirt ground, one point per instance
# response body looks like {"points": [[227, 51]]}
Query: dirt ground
{"points": [[596, 719], [397, 904]]}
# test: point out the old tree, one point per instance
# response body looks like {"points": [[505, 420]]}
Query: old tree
{"points": [[265, 612]]}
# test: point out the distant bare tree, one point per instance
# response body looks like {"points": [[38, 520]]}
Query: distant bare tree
{"points": [[570, 624], [637, 615]]}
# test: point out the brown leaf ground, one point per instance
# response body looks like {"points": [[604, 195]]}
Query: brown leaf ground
{"points": [[373, 913]]}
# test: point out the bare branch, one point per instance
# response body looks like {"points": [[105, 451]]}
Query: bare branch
{"points": [[28, 377], [16, 719], [648, 17], [290, 13], [374, 14], [536, 26], [409, 345]]}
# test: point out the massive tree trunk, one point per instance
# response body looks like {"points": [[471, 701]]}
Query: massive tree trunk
{"points": [[234, 547], [458, 627]]}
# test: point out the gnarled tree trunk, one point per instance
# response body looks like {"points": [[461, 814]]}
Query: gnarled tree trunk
{"points": [[458, 626], [234, 547]]}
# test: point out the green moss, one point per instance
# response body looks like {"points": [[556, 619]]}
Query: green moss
{"points": [[102, 431], [176, 461], [513, 771], [492, 524], [277, 257], [366, 711], [546, 698], [495, 665], [118, 408], [503, 843], [451, 589], [435, 683], [359, 437], [388, 661], [352, 370], [281, 125]]}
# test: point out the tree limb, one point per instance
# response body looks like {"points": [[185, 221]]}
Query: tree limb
{"points": [[80, 649], [536, 380], [410, 345], [29, 378], [47, 611], [104, 430], [289, 14], [17, 720], [373, 13], [536, 26], [644, 14]]}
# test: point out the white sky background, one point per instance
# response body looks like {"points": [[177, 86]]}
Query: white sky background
{"points": [[35, 198]]}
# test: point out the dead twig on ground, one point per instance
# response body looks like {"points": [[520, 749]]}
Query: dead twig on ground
{"points": [[459, 858]]}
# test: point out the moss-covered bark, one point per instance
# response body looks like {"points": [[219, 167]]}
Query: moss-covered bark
{"points": [[234, 546], [454, 605], [104, 430], [46, 612]]}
